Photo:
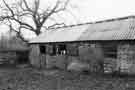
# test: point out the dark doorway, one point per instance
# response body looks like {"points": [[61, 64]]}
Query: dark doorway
{"points": [[22, 57], [42, 49]]}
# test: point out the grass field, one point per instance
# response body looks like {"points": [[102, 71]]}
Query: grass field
{"points": [[31, 79]]}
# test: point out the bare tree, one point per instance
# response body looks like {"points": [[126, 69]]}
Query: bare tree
{"points": [[22, 10]]}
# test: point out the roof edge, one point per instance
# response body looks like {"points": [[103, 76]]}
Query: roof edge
{"points": [[102, 21]]}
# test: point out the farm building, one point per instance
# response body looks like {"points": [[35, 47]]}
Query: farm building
{"points": [[110, 42], [13, 50]]}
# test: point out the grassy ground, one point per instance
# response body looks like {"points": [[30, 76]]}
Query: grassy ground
{"points": [[31, 79]]}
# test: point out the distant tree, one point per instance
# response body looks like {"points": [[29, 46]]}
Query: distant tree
{"points": [[21, 10]]}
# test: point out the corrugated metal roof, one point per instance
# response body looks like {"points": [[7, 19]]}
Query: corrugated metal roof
{"points": [[61, 34], [115, 30], [118, 29]]}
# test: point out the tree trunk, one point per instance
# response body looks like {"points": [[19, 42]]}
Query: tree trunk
{"points": [[37, 32]]}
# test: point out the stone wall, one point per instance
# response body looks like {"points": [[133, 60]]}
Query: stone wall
{"points": [[34, 56], [84, 52], [90, 53], [126, 57], [45, 60]]}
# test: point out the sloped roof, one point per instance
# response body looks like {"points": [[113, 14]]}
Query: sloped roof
{"points": [[113, 29], [61, 34]]}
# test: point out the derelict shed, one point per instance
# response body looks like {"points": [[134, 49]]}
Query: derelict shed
{"points": [[13, 51], [111, 41]]}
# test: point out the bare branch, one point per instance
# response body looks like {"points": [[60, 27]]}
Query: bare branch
{"points": [[17, 32], [37, 2], [56, 9], [22, 11], [22, 23], [56, 25], [13, 16], [51, 12], [12, 12], [26, 5], [63, 8]]}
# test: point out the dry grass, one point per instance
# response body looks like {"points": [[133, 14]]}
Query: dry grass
{"points": [[61, 80]]}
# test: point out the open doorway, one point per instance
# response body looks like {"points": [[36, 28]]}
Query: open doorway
{"points": [[22, 57]]}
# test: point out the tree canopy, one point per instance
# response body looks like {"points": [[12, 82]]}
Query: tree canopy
{"points": [[22, 15]]}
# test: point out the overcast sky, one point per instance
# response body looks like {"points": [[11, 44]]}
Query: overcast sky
{"points": [[91, 10], [94, 10]]}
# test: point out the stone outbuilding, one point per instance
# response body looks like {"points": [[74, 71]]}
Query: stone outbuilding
{"points": [[111, 42]]}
